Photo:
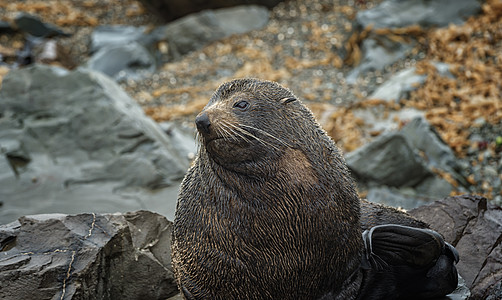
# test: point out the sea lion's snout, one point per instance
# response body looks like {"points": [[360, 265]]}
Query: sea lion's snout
{"points": [[202, 121]]}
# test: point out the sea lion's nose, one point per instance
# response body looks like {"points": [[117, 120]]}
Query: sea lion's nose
{"points": [[202, 121]]}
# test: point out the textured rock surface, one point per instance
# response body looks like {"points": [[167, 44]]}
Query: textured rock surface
{"points": [[474, 227], [436, 152], [405, 198], [173, 9], [34, 26], [388, 160], [402, 83], [396, 13], [405, 161], [196, 30], [79, 143], [123, 61], [380, 52], [113, 35], [122, 52], [377, 54], [87, 256]]}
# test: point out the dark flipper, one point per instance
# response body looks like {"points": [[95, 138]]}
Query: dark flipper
{"points": [[407, 262]]}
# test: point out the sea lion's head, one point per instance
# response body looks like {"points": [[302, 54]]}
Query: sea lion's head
{"points": [[249, 122], [244, 121]]}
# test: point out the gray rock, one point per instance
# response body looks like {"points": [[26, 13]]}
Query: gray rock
{"points": [[195, 31], [395, 88], [124, 52], [398, 13], [423, 137], [474, 226], [388, 160], [74, 141], [87, 256], [443, 69], [113, 35], [462, 292], [405, 198], [183, 138], [405, 81], [377, 54], [122, 61], [433, 187], [5, 27], [51, 51], [173, 9], [404, 159], [241, 19], [378, 118], [34, 26]]}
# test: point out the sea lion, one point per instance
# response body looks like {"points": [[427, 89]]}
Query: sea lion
{"points": [[269, 210]]}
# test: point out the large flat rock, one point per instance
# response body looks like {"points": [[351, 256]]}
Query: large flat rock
{"points": [[75, 141]]}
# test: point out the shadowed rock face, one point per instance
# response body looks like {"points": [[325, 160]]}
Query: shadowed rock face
{"points": [[87, 256], [169, 10], [474, 227]]}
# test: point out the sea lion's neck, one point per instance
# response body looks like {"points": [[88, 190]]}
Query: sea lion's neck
{"points": [[276, 217], [291, 166], [250, 171]]}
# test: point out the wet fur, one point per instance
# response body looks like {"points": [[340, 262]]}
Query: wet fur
{"points": [[278, 218]]}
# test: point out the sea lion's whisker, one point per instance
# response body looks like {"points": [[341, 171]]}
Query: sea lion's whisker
{"points": [[254, 136], [266, 133], [233, 130], [198, 140], [236, 128], [225, 132]]}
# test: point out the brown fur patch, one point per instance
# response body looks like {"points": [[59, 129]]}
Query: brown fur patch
{"points": [[296, 165]]}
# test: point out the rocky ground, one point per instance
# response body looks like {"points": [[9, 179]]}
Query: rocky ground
{"points": [[126, 256], [318, 50]]}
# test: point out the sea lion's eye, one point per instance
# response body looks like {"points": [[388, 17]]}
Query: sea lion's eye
{"points": [[242, 105], [288, 100]]}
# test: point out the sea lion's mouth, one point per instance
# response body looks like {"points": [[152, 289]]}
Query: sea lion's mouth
{"points": [[209, 140], [222, 144], [229, 149]]}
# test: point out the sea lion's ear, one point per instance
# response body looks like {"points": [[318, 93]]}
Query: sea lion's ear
{"points": [[287, 100]]}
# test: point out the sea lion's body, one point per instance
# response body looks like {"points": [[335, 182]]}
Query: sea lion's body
{"points": [[268, 210]]}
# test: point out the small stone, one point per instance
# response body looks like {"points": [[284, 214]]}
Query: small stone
{"points": [[123, 61], [34, 26], [490, 172], [111, 35], [5, 27], [396, 13], [400, 83], [479, 122]]}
